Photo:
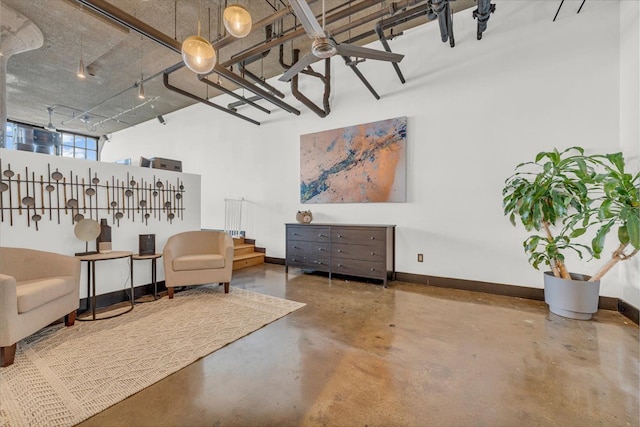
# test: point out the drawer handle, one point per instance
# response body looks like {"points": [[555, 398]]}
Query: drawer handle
{"points": [[322, 249], [293, 259], [321, 235], [373, 238], [339, 236], [295, 234], [295, 247], [373, 269], [319, 262], [339, 265], [373, 253]]}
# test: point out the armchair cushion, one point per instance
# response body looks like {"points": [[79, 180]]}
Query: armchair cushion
{"points": [[34, 293], [198, 262]]}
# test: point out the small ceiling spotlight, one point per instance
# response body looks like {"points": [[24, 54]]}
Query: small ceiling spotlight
{"points": [[81, 74]]}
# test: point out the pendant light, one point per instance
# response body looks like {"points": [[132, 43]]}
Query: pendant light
{"points": [[80, 73], [237, 21], [198, 54]]}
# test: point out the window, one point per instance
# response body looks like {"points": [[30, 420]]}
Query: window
{"points": [[79, 146], [73, 145]]}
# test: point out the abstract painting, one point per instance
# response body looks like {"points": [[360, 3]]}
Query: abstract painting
{"points": [[355, 164]]}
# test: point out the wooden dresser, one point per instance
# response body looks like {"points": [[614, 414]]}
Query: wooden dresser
{"points": [[350, 249]]}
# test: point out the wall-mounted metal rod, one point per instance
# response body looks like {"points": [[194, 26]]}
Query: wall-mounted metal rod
{"points": [[221, 88], [255, 89], [165, 80], [260, 81], [234, 105], [362, 78], [386, 46]]}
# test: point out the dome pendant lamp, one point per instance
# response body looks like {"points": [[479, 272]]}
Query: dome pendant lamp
{"points": [[237, 21], [198, 54]]}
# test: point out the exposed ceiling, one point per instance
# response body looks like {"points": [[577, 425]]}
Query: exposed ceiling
{"points": [[115, 56]]}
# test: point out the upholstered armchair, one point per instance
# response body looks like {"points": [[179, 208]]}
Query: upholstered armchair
{"points": [[198, 258], [36, 289]]}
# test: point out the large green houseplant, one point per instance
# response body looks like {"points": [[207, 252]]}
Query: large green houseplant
{"points": [[564, 195]]}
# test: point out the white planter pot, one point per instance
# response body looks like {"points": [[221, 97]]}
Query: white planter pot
{"points": [[575, 299]]}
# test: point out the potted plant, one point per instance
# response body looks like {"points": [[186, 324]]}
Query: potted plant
{"points": [[561, 196]]}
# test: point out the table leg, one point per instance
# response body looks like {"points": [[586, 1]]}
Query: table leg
{"points": [[88, 286], [93, 286], [153, 278], [131, 277]]}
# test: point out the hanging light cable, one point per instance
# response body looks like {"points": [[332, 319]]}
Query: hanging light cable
{"points": [[141, 87]]}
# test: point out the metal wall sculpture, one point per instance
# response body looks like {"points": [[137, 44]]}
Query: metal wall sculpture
{"points": [[355, 164], [57, 196]]}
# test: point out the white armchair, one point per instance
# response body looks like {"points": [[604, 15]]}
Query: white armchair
{"points": [[198, 258], [36, 289]]}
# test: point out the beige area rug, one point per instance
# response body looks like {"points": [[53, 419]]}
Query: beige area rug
{"points": [[62, 376]]}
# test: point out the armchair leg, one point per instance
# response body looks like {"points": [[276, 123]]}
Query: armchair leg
{"points": [[70, 318], [226, 287], [170, 291], [7, 354]]}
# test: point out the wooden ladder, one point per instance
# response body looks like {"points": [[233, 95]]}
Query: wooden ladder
{"points": [[246, 254]]}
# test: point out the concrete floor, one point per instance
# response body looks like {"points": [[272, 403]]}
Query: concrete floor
{"points": [[409, 355]]}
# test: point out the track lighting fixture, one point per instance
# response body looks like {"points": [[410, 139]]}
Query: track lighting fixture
{"points": [[141, 88]]}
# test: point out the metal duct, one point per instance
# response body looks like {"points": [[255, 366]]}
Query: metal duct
{"points": [[165, 80], [326, 79], [400, 18], [442, 9], [482, 14], [148, 31], [221, 88]]}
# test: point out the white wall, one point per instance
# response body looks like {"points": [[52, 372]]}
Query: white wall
{"points": [[629, 123], [474, 112], [60, 238]]}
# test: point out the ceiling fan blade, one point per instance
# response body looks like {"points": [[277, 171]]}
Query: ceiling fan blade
{"points": [[364, 52], [307, 18], [302, 63]]}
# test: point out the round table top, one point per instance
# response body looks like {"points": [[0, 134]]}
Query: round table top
{"points": [[105, 256], [149, 256]]}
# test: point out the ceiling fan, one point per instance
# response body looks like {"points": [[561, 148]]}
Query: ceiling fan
{"points": [[323, 44]]}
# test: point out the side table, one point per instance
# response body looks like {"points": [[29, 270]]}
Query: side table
{"points": [[153, 258], [91, 278]]}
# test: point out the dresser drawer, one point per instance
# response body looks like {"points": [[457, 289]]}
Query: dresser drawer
{"points": [[355, 236], [308, 263], [308, 233], [302, 247], [354, 267], [376, 252]]}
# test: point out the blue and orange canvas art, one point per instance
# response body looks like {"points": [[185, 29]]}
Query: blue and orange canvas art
{"points": [[356, 164]]}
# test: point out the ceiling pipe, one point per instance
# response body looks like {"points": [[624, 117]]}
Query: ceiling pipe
{"points": [[148, 31], [300, 31], [442, 9], [165, 81], [326, 80], [260, 81], [234, 105], [483, 13], [400, 18], [221, 88]]}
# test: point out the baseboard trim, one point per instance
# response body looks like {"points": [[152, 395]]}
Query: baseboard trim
{"points": [[116, 297], [628, 311], [274, 260]]}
